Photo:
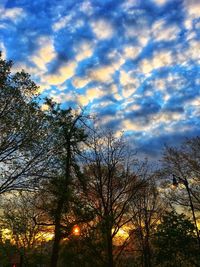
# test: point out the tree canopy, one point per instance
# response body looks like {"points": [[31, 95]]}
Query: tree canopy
{"points": [[58, 173]]}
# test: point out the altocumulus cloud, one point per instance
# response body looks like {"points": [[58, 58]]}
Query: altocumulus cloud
{"points": [[134, 63]]}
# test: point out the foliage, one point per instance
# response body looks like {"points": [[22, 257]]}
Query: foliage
{"points": [[57, 194], [184, 162], [60, 177], [23, 138], [175, 241]]}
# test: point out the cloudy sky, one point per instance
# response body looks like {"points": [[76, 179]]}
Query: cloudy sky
{"points": [[135, 63]]}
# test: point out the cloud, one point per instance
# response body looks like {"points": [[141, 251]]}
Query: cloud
{"points": [[165, 32], [65, 72], [161, 2], [159, 59], [135, 126], [63, 98], [105, 73], [90, 95], [80, 82], [45, 54], [192, 8], [168, 117], [102, 29], [61, 23], [128, 4], [102, 74], [3, 49], [131, 52], [134, 63], [13, 14], [86, 7], [193, 50], [84, 50], [129, 83]]}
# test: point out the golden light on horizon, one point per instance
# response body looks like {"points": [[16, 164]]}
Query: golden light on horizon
{"points": [[122, 235]]}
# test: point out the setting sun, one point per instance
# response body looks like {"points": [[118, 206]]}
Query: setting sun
{"points": [[76, 230]]}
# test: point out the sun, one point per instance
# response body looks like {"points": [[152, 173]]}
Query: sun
{"points": [[76, 230]]}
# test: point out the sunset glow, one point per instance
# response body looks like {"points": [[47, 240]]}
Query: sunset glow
{"points": [[76, 230]]}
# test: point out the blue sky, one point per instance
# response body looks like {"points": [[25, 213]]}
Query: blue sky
{"points": [[136, 64]]}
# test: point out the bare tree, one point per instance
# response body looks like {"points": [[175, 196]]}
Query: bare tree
{"points": [[146, 210], [18, 217], [111, 184]]}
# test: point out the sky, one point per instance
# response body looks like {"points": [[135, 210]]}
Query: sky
{"points": [[133, 63]]}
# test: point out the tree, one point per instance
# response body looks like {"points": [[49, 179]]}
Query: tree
{"points": [[111, 183], [23, 133], [146, 210], [18, 217], [67, 129], [183, 163], [175, 241]]}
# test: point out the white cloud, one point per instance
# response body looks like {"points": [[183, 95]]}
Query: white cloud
{"points": [[63, 97], [129, 4], [80, 82], [45, 54], [183, 56], [140, 31], [3, 50], [129, 125], [13, 14], [192, 8], [192, 11], [163, 32], [102, 29], [159, 59], [60, 24], [193, 51], [114, 89], [188, 24], [86, 7], [102, 74], [90, 95], [64, 73], [160, 2], [128, 82], [84, 50], [131, 52], [168, 117]]}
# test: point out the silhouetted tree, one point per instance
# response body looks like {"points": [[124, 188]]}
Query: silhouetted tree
{"points": [[183, 164], [58, 200], [175, 241], [111, 184], [18, 217], [146, 210], [23, 133]]}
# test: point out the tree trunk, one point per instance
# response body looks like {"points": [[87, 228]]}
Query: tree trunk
{"points": [[147, 254], [109, 249], [57, 236]]}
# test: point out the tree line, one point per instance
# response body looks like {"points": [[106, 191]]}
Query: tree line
{"points": [[76, 195]]}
